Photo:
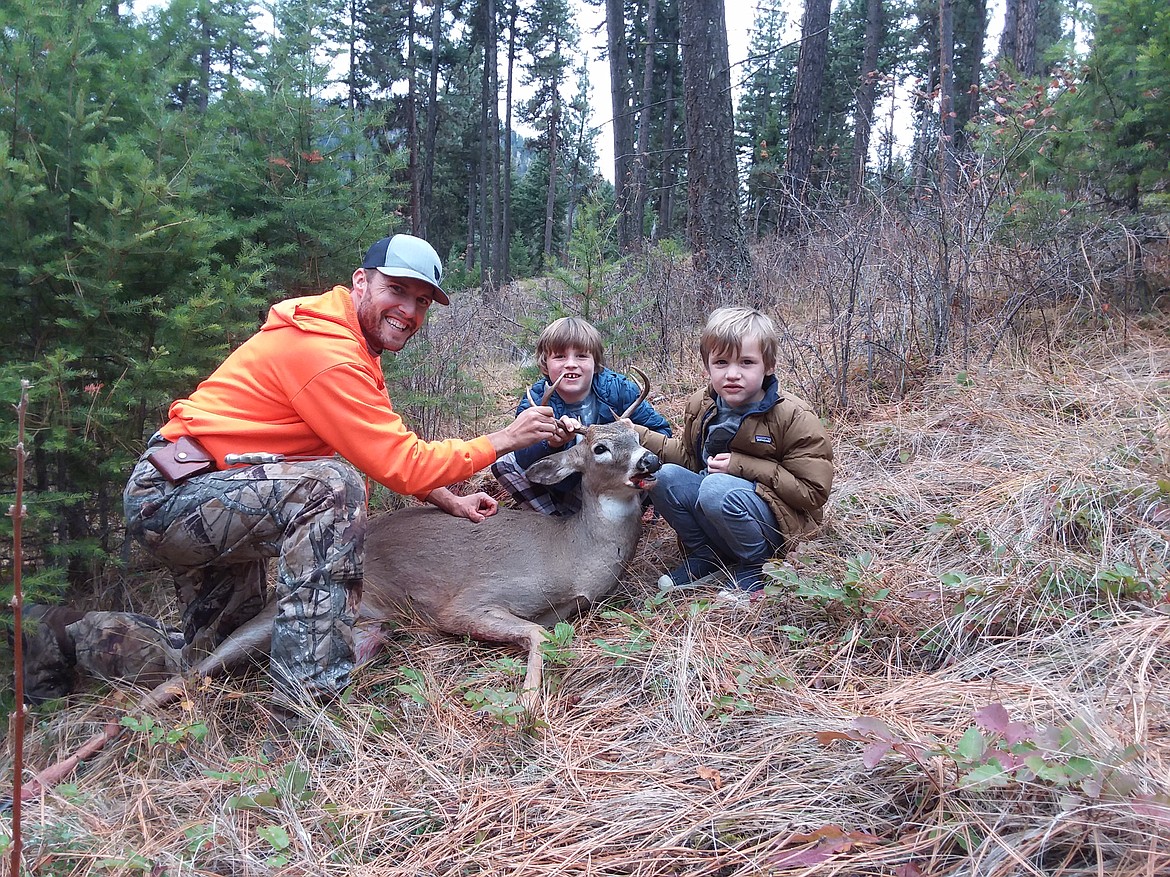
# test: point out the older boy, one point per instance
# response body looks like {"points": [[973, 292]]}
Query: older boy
{"points": [[754, 465], [570, 351]]}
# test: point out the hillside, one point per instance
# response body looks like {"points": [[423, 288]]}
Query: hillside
{"points": [[968, 672]]}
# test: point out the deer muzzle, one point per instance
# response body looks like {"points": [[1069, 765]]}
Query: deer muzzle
{"points": [[644, 470]]}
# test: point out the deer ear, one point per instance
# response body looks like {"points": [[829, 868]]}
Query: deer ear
{"points": [[554, 469]]}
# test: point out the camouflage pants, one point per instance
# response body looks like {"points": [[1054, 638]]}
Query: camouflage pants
{"points": [[62, 645], [215, 533]]}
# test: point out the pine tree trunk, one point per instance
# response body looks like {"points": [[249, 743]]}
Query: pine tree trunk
{"points": [[427, 197], [806, 107], [550, 198], [414, 169], [967, 90], [506, 225], [1009, 39], [489, 151], [623, 125], [641, 158], [863, 125], [204, 61], [495, 188], [714, 227], [667, 145], [1026, 61]]}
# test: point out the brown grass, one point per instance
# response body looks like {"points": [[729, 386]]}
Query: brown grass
{"points": [[687, 736]]}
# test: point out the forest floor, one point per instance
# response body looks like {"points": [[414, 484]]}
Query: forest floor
{"points": [[967, 672]]}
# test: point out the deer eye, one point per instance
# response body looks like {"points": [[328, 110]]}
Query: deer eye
{"points": [[599, 449]]}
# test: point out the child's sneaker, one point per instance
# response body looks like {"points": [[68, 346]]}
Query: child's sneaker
{"points": [[733, 598], [748, 577], [696, 568]]}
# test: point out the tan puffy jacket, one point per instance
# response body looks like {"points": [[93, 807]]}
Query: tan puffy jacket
{"points": [[781, 445]]}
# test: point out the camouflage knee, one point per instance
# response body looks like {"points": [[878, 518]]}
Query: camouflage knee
{"points": [[63, 646]]}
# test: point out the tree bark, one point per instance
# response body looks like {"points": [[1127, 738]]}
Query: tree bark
{"points": [[415, 169], [550, 198], [623, 124], [1009, 39], [667, 145], [642, 158], [202, 99], [506, 229], [967, 90], [806, 107], [863, 125], [714, 227], [1026, 61], [427, 196], [494, 151]]}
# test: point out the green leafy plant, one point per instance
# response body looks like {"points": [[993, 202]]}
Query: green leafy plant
{"points": [[199, 837], [853, 593], [291, 786], [414, 685], [1123, 580], [157, 734], [277, 838], [557, 646], [996, 752], [496, 703], [132, 862], [750, 678], [247, 770]]}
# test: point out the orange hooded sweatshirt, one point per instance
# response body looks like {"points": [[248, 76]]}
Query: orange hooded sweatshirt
{"points": [[306, 385]]}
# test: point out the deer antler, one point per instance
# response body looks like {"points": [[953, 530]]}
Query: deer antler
{"points": [[645, 382], [564, 422], [549, 390]]}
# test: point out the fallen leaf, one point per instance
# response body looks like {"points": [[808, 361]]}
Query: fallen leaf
{"points": [[711, 775]]}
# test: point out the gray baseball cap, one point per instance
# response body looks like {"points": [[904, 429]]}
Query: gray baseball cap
{"points": [[404, 255]]}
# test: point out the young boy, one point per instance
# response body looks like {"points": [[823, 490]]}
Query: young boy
{"points": [[756, 463], [570, 350]]}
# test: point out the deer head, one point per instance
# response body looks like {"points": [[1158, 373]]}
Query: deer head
{"points": [[571, 426]]}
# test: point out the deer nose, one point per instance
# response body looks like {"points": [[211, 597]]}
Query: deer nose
{"points": [[649, 463]]}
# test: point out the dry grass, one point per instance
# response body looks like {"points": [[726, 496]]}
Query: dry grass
{"points": [[1006, 538]]}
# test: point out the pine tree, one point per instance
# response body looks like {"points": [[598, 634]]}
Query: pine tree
{"points": [[714, 226], [550, 33], [762, 119]]}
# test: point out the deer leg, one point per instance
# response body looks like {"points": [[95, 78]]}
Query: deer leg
{"points": [[499, 626]]}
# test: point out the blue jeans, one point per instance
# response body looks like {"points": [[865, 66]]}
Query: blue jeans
{"points": [[716, 513]]}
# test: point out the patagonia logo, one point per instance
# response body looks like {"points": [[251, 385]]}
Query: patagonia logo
{"points": [[763, 440]]}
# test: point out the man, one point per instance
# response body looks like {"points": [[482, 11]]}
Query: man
{"points": [[307, 386]]}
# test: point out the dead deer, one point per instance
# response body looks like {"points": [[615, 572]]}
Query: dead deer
{"points": [[502, 580]]}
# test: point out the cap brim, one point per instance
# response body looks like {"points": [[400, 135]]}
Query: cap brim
{"points": [[436, 292]]}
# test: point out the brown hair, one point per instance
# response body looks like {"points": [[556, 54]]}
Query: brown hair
{"points": [[728, 328], [565, 333]]}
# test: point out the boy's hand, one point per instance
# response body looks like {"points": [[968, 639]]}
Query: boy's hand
{"points": [[719, 464], [567, 428]]}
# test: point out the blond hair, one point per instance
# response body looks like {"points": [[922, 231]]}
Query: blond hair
{"points": [[569, 332], [728, 328]]}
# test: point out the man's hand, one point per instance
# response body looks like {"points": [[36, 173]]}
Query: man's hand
{"points": [[531, 426], [475, 506], [719, 463]]}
